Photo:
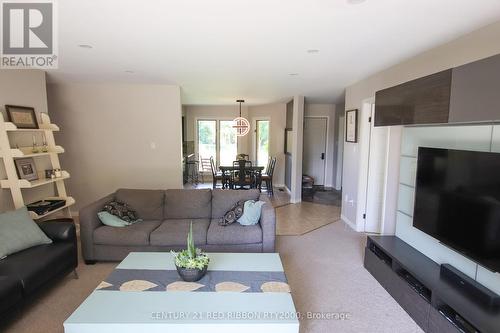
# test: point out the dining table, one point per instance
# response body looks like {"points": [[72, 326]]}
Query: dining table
{"points": [[242, 169]]}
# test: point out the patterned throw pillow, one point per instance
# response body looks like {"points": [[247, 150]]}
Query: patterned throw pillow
{"points": [[121, 210], [233, 214]]}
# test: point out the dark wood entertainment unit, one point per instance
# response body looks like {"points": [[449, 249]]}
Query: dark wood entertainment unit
{"points": [[414, 281]]}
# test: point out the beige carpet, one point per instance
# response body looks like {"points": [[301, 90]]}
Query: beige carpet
{"points": [[325, 272], [304, 217]]}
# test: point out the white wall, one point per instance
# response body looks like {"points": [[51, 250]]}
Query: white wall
{"points": [[118, 135], [276, 113], [24, 88], [471, 47], [327, 111], [298, 140]]}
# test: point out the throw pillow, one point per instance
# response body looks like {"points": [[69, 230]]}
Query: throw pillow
{"points": [[112, 220], [121, 210], [233, 214], [251, 212], [18, 232]]}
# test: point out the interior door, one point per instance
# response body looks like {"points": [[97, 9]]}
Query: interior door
{"points": [[314, 149]]}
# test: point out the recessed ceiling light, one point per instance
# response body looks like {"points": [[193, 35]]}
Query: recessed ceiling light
{"points": [[129, 72], [85, 46], [313, 51], [355, 2], [293, 74]]}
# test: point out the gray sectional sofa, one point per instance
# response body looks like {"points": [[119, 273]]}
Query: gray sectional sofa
{"points": [[166, 218]]}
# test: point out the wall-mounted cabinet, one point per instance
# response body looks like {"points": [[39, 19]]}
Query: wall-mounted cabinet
{"points": [[468, 93], [421, 101], [475, 91]]}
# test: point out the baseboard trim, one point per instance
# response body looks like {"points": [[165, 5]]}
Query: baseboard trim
{"points": [[348, 222]]}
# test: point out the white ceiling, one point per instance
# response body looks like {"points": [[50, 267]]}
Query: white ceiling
{"points": [[221, 50]]}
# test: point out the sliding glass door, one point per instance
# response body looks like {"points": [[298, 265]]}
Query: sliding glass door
{"points": [[217, 138]]}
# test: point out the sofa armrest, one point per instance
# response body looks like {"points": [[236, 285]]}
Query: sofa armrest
{"points": [[268, 224], [89, 222], [62, 230]]}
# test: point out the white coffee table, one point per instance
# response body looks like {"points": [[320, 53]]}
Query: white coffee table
{"points": [[106, 311]]}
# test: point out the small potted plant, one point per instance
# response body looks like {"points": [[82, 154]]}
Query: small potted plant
{"points": [[191, 263]]}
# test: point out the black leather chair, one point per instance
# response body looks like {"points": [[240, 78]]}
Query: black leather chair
{"points": [[26, 273]]}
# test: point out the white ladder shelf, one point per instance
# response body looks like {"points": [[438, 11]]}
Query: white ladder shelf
{"points": [[9, 154]]}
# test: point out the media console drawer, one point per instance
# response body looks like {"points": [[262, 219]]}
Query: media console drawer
{"points": [[381, 271], [439, 324], [413, 303]]}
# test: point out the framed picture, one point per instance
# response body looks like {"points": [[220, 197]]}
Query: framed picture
{"points": [[26, 168], [351, 126], [22, 116]]}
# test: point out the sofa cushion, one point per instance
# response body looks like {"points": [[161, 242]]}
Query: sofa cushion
{"points": [[147, 203], [11, 292], [223, 200], [135, 234], [233, 234], [188, 204], [37, 265], [173, 232]]}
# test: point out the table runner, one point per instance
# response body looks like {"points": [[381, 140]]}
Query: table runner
{"points": [[213, 281]]}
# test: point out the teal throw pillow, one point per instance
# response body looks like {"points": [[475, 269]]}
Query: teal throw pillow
{"points": [[251, 212], [19, 232], [113, 220]]}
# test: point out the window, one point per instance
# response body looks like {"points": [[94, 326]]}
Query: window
{"points": [[207, 138], [228, 147], [217, 138], [262, 144]]}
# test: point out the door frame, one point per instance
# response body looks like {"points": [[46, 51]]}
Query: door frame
{"points": [[339, 150], [253, 157], [327, 156], [365, 144]]}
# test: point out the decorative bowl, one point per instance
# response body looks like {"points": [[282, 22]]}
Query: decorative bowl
{"points": [[191, 274]]}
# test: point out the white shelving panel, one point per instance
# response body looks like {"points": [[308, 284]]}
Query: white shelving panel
{"points": [[23, 183], [69, 202], [8, 155], [27, 152]]}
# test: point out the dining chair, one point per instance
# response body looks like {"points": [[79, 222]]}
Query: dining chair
{"points": [[216, 175], [245, 180], [268, 176], [205, 167], [243, 157], [192, 166], [268, 166]]}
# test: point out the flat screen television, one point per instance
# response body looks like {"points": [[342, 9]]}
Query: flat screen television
{"points": [[457, 201]]}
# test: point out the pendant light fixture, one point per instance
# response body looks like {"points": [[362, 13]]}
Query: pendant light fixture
{"points": [[241, 124]]}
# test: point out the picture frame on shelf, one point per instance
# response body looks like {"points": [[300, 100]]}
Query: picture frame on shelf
{"points": [[23, 117], [351, 126], [26, 168]]}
